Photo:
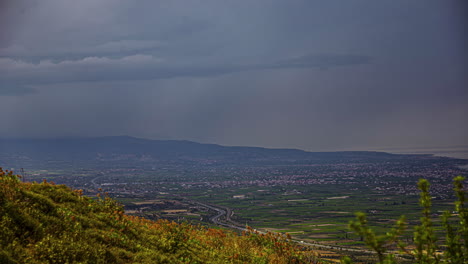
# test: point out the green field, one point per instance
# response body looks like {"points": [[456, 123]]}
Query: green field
{"points": [[319, 213]]}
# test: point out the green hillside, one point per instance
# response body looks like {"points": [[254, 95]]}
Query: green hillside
{"points": [[48, 223]]}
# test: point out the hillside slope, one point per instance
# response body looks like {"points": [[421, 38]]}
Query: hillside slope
{"points": [[48, 223]]}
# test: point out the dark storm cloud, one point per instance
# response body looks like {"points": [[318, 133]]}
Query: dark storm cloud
{"points": [[139, 67], [323, 61], [8, 89], [318, 75], [8, 11]]}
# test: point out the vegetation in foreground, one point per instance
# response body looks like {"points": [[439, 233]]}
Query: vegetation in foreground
{"points": [[48, 223], [425, 249]]}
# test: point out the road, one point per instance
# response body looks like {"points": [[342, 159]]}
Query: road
{"points": [[229, 223], [220, 212]]}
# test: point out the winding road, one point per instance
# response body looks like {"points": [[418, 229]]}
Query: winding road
{"points": [[220, 212]]}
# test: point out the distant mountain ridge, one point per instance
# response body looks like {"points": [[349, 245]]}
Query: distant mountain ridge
{"points": [[125, 148]]}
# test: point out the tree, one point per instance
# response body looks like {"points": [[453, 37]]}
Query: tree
{"points": [[426, 250]]}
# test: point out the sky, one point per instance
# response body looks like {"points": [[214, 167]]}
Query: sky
{"points": [[315, 75]]}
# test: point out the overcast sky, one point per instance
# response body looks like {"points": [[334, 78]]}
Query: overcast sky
{"points": [[315, 75]]}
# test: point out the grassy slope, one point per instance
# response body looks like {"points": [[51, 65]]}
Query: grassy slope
{"points": [[47, 223]]}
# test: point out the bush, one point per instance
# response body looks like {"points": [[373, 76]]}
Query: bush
{"points": [[425, 250], [48, 223]]}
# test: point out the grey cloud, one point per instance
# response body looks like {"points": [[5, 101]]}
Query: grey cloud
{"points": [[323, 61], [7, 89], [146, 67], [305, 74], [120, 47]]}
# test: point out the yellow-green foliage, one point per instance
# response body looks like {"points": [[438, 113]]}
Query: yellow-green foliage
{"points": [[48, 223], [424, 250]]}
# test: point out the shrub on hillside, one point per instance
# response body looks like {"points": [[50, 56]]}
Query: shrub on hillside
{"points": [[48, 223]]}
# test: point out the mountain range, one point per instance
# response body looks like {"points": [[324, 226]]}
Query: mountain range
{"points": [[125, 149]]}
